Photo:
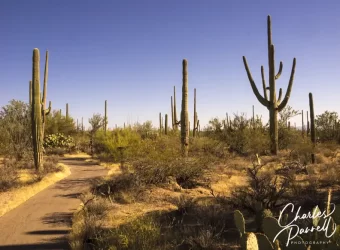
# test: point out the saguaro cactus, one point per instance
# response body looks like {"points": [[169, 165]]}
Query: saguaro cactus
{"points": [[184, 112], [303, 125], [160, 123], [195, 127], [312, 124], [105, 117], [308, 125], [176, 122], [166, 124], [82, 124], [273, 105], [66, 111], [38, 111], [44, 113], [172, 114]]}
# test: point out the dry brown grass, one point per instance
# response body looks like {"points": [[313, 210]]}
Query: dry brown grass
{"points": [[223, 178], [11, 199]]}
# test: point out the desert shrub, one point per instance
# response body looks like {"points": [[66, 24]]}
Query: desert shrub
{"points": [[58, 143], [155, 160], [8, 174], [186, 172], [109, 145], [89, 220], [57, 123], [301, 151], [81, 141], [265, 188], [116, 187], [146, 130], [15, 130], [327, 127], [143, 233], [208, 146], [50, 165]]}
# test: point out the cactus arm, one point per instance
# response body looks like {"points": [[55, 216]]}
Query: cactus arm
{"points": [[289, 89], [280, 71], [45, 80], [48, 110], [264, 84], [260, 98], [280, 96]]}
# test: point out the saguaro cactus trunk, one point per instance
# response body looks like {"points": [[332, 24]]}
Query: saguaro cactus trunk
{"points": [[172, 114], [273, 105], [160, 123], [195, 128], [308, 128], [105, 117], [176, 123], [184, 112], [66, 111], [38, 112], [44, 97], [166, 124], [312, 124]]}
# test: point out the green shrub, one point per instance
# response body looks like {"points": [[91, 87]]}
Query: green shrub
{"points": [[58, 144], [15, 130], [108, 145]]}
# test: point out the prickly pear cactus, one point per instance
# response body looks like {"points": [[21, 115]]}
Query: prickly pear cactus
{"points": [[240, 222], [272, 228], [263, 242], [277, 245], [249, 242], [316, 220], [260, 215]]}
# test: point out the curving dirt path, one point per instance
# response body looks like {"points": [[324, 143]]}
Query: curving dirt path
{"points": [[43, 221]]}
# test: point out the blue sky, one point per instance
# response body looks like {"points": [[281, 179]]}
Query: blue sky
{"points": [[130, 53]]}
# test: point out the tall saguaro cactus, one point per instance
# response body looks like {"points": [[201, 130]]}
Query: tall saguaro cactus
{"points": [[160, 123], [184, 112], [273, 104], [308, 125], [105, 117], [172, 114], [166, 124], [38, 111], [195, 127], [44, 113], [66, 111], [312, 124], [176, 122]]}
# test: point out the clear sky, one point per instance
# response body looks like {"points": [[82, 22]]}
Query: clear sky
{"points": [[130, 53]]}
